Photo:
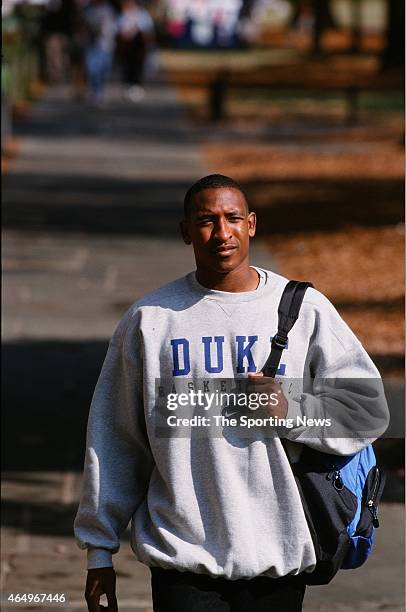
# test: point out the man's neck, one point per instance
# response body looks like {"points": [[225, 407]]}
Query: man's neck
{"points": [[244, 279]]}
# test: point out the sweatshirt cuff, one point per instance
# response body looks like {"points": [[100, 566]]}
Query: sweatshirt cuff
{"points": [[98, 557]]}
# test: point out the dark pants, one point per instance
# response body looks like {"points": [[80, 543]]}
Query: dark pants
{"points": [[174, 591], [132, 56]]}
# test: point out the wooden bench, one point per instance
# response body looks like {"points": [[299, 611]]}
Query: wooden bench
{"points": [[297, 78]]}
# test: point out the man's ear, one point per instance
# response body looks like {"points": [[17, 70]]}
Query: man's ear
{"points": [[185, 232], [252, 224]]}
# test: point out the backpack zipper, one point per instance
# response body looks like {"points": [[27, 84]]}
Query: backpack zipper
{"points": [[335, 475], [339, 486], [371, 501]]}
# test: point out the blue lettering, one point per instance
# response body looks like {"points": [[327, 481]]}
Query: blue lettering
{"points": [[207, 355], [245, 352], [176, 343]]}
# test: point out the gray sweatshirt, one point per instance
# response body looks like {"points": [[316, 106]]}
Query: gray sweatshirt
{"points": [[207, 505]]}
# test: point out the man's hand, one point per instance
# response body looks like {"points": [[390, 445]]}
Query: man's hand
{"points": [[99, 581], [258, 383]]}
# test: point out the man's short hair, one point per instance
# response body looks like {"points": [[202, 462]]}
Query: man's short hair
{"points": [[212, 181]]}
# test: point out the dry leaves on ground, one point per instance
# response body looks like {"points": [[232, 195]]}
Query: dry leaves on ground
{"points": [[361, 271]]}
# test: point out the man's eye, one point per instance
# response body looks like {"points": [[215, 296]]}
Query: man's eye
{"points": [[234, 219]]}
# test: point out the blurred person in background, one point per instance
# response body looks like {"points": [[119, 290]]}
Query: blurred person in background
{"points": [[77, 48], [135, 40], [302, 18], [56, 30], [101, 26]]}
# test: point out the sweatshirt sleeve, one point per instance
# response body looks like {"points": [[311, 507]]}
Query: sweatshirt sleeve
{"points": [[118, 460], [345, 387]]}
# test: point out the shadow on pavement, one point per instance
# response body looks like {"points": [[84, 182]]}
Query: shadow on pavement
{"points": [[324, 204], [47, 392], [94, 204], [39, 518]]}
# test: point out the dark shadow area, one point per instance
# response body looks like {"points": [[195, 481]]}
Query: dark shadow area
{"points": [[390, 457], [325, 204], [98, 204], [39, 518], [387, 364], [47, 390], [93, 204], [45, 519], [373, 304]]}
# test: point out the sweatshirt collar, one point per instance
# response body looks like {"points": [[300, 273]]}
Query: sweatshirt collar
{"points": [[231, 296]]}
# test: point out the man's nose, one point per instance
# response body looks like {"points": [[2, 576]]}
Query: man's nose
{"points": [[222, 230]]}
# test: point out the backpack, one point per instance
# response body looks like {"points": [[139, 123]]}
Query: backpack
{"points": [[339, 494]]}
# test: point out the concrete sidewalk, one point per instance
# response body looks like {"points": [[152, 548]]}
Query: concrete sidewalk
{"points": [[91, 209], [91, 206]]}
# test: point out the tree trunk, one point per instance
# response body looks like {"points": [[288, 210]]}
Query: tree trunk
{"points": [[393, 55], [355, 26]]}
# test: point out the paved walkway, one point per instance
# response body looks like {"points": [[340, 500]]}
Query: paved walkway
{"points": [[90, 224], [92, 205]]}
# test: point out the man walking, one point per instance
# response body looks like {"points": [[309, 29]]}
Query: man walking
{"points": [[219, 521], [100, 22]]}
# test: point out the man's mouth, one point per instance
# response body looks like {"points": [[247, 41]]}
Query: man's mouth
{"points": [[224, 251]]}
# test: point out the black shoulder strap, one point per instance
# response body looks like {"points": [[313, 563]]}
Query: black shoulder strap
{"points": [[288, 312]]}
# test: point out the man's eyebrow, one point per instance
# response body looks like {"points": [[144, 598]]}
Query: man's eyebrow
{"points": [[204, 212], [210, 213]]}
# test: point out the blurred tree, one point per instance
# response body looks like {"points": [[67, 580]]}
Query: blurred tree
{"points": [[393, 55]]}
